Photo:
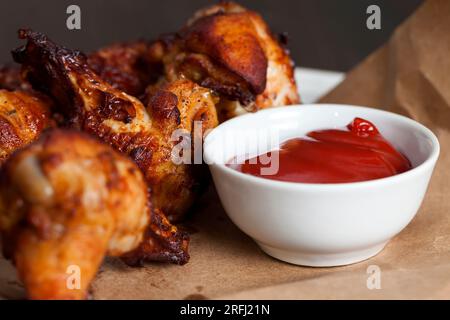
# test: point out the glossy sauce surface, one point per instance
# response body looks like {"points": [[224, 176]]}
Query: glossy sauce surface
{"points": [[358, 153]]}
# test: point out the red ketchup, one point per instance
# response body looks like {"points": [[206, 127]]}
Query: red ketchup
{"points": [[359, 153]]}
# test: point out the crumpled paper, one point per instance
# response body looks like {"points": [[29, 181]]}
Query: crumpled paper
{"points": [[409, 75]]}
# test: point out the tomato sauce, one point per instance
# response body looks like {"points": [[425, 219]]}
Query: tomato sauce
{"points": [[358, 153]]}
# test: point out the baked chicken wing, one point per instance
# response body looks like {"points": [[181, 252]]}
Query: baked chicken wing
{"points": [[66, 201], [231, 50]]}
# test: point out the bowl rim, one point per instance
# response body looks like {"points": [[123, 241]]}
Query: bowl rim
{"points": [[418, 170]]}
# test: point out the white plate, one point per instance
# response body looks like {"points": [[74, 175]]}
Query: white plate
{"points": [[314, 83]]}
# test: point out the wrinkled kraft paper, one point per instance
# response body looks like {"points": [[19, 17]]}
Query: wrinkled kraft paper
{"points": [[409, 75]]}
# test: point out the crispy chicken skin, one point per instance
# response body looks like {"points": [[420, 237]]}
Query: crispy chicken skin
{"points": [[231, 50], [231, 41], [23, 117], [162, 242], [129, 67], [66, 201], [280, 87], [180, 109]]}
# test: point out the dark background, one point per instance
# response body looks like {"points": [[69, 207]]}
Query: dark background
{"points": [[326, 34]]}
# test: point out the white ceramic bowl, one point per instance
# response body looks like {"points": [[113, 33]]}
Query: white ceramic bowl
{"points": [[319, 224]]}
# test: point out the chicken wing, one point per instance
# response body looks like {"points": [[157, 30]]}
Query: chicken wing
{"points": [[231, 50], [23, 117], [180, 109], [66, 201]]}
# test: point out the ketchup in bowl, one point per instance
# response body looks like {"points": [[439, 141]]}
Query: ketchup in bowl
{"points": [[358, 153]]}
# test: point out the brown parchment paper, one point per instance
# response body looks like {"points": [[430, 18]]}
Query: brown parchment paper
{"points": [[409, 75]]}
